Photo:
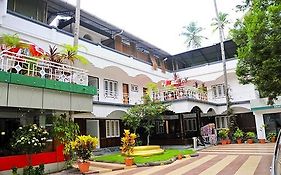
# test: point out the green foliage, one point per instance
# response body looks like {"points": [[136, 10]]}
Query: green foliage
{"points": [[10, 40], [144, 115], [192, 34], [223, 133], [258, 38], [29, 139], [34, 171], [223, 18], [168, 154], [238, 134], [271, 135], [250, 135], [65, 131], [70, 53]]}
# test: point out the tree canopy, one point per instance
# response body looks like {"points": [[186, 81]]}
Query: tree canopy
{"points": [[192, 34], [258, 37], [223, 18]]}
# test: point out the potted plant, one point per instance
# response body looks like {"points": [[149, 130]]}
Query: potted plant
{"points": [[223, 135], [250, 137], [83, 146], [271, 137], [238, 135], [128, 143]]}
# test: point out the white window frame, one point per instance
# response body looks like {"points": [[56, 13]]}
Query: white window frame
{"points": [[112, 128], [218, 91], [134, 88], [221, 122], [110, 88]]}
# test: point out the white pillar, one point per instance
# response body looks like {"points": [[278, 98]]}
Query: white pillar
{"points": [[260, 125], [3, 9]]}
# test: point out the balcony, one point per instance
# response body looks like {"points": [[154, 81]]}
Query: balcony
{"points": [[182, 92], [32, 71]]}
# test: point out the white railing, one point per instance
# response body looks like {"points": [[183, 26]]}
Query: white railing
{"points": [[36, 67], [180, 93]]}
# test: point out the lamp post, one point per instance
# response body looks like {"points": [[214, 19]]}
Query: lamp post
{"points": [[77, 23], [223, 60]]}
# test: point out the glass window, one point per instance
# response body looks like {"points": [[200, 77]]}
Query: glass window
{"points": [[112, 128], [110, 88]]}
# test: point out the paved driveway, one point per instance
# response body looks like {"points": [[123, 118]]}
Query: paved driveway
{"points": [[242, 159]]}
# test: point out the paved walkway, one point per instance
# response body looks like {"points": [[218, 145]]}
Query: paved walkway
{"points": [[233, 159]]}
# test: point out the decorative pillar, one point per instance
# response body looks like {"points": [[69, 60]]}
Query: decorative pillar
{"points": [[3, 9], [260, 125]]}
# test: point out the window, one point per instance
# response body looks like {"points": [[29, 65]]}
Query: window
{"points": [[112, 128], [110, 89], [134, 88], [218, 91], [190, 124], [222, 122], [159, 126]]}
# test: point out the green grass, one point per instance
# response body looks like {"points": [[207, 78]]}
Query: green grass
{"points": [[168, 154]]}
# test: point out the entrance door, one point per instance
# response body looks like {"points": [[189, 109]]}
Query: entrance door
{"points": [[125, 93], [93, 129]]}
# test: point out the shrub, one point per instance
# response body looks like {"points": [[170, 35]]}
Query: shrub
{"points": [[29, 139], [223, 133], [250, 135], [128, 142], [238, 134]]}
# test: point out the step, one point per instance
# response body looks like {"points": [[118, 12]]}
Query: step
{"points": [[147, 152], [150, 147]]}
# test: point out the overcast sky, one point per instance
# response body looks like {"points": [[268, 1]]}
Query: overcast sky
{"points": [[160, 22]]}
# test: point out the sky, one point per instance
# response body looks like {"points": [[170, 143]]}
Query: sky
{"points": [[160, 22]]}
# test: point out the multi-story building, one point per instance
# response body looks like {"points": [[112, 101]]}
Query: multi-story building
{"points": [[121, 65]]}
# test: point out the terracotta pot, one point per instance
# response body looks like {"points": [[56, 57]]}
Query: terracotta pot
{"points": [[129, 161], [273, 139], [250, 141], [179, 156], [228, 141], [84, 166], [223, 142], [262, 141], [239, 141]]}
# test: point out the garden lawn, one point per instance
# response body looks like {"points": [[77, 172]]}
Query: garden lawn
{"points": [[168, 154]]}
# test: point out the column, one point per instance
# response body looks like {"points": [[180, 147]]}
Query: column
{"points": [[3, 9], [260, 125], [118, 43]]}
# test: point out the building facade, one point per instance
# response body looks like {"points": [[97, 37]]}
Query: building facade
{"points": [[120, 66]]}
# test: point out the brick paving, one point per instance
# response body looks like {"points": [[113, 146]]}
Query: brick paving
{"points": [[233, 159]]}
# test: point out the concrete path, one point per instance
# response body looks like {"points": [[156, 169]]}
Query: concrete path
{"points": [[233, 159]]}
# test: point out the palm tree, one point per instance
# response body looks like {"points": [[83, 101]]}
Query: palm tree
{"points": [[70, 53], [223, 18], [192, 34]]}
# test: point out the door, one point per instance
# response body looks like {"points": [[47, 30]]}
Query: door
{"points": [[93, 129], [125, 93]]}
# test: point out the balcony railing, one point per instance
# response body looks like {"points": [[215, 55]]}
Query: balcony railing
{"points": [[36, 67], [183, 92]]}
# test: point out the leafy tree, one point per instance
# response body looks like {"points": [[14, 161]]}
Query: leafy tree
{"points": [[192, 34], [258, 38], [144, 115], [223, 18]]}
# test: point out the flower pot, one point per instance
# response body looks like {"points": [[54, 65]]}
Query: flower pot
{"points": [[228, 141], [262, 141], [179, 157], [129, 161], [250, 141], [84, 166], [239, 141], [273, 139], [223, 142]]}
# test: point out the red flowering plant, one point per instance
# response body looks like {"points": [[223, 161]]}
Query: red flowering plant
{"points": [[128, 142]]}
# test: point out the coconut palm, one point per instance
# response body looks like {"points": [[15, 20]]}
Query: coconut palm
{"points": [[192, 34], [223, 18], [69, 53]]}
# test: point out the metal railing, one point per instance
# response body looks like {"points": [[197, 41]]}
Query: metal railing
{"points": [[36, 67], [276, 160], [180, 93]]}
